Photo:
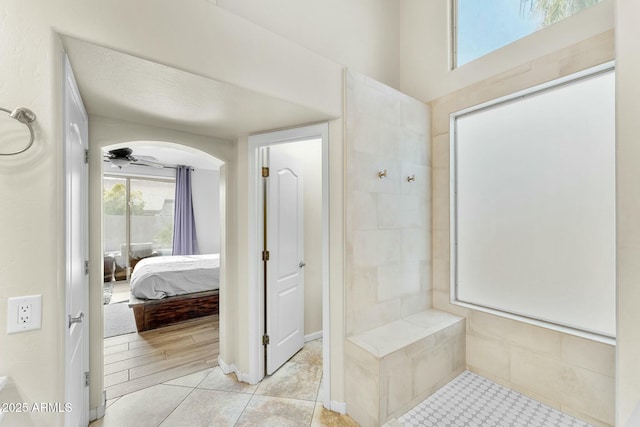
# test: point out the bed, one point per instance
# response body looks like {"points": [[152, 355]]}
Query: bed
{"points": [[171, 289]]}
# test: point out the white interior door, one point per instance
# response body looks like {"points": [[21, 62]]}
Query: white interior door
{"points": [[77, 281], [285, 272]]}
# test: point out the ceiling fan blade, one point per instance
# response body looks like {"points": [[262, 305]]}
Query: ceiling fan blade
{"points": [[143, 162], [149, 158]]}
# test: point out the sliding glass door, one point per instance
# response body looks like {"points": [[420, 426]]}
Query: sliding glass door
{"points": [[138, 222]]}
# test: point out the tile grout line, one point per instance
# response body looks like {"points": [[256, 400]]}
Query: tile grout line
{"points": [[177, 406]]}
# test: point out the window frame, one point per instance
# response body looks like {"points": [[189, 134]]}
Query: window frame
{"points": [[453, 285], [453, 34], [127, 178]]}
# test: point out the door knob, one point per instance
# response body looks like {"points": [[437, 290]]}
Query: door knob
{"points": [[77, 319], [302, 264]]}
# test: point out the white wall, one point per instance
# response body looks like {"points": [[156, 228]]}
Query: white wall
{"points": [[425, 43], [205, 193], [360, 34], [310, 155]]}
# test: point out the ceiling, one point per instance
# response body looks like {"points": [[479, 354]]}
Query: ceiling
{"points": [[120, 86]]}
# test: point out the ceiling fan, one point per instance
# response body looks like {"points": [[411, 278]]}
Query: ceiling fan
{"points": [[124, 157]]}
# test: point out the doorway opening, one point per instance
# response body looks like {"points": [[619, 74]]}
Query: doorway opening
{"points": [[311, 145], [160, 296]]}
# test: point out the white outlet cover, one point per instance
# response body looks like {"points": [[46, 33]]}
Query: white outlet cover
{"points": [[12, 313]]}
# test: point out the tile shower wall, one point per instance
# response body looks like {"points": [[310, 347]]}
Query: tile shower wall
{"points": [[388, 220], [572, 374]]}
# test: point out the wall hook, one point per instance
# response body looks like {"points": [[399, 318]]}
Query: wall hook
{"points": [[411, 178], [382, 174]]}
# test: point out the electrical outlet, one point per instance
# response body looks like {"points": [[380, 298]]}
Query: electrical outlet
{"points": [[24, 313]]}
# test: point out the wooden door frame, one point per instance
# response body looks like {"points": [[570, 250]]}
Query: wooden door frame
{"points": [[255, 233]]}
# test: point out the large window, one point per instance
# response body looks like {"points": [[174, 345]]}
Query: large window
{"points": [[138, 220], [533, 204], [483, 26]]}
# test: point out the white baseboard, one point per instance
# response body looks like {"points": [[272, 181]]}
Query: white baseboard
{"points": [[313, 336], [339, 407], [227, 368], [97, 413]]}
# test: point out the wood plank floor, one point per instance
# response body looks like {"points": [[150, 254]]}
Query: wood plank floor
{"points": [[136, 361]]}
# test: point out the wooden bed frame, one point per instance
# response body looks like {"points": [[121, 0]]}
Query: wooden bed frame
{"points": [[152, 313]]}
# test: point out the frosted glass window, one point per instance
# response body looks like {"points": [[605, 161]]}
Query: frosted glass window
{"points": [[533, 204]]}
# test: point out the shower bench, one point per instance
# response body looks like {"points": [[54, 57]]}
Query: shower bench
{"points": [[393, 367]]}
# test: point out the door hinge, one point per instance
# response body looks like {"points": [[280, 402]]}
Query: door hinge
{"points": [[265, 172], [86, 156], [86, 379], [265, 255], [265, 339], [86, 268]]}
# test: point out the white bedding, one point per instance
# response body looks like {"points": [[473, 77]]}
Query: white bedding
{"points": [[163, 276]]}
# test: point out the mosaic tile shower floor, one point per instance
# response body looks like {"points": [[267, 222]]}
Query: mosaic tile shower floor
{"points": [[473, 401]]}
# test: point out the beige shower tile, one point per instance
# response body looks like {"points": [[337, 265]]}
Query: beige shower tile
{"points": [[488, 355], [430, 369], [441, 301], [589, 354], [390, 210], [441, 149], [543, 375], [208, 408], [584, 417], [364, 135], [415, 244], [391, 142], [590, 393], [441, 244], [440, 197], [275, 411], [362, 286], [376, 247], [375, 315], [415, 115], [396, 369], [415, 146], [364, 210], [534, 338], [441, 274], [398, 280], [412, 304]]}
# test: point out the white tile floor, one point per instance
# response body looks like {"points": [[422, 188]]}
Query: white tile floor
{"points": [[473, 401]]}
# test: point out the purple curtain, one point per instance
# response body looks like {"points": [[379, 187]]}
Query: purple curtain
{"points": [[184, 229]]}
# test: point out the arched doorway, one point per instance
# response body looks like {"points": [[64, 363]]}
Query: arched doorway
{"points": [[208, 176]]}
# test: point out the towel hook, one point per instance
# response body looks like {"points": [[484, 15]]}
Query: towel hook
{"points": [[26, 117], [382, 174], [411, 178]]}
